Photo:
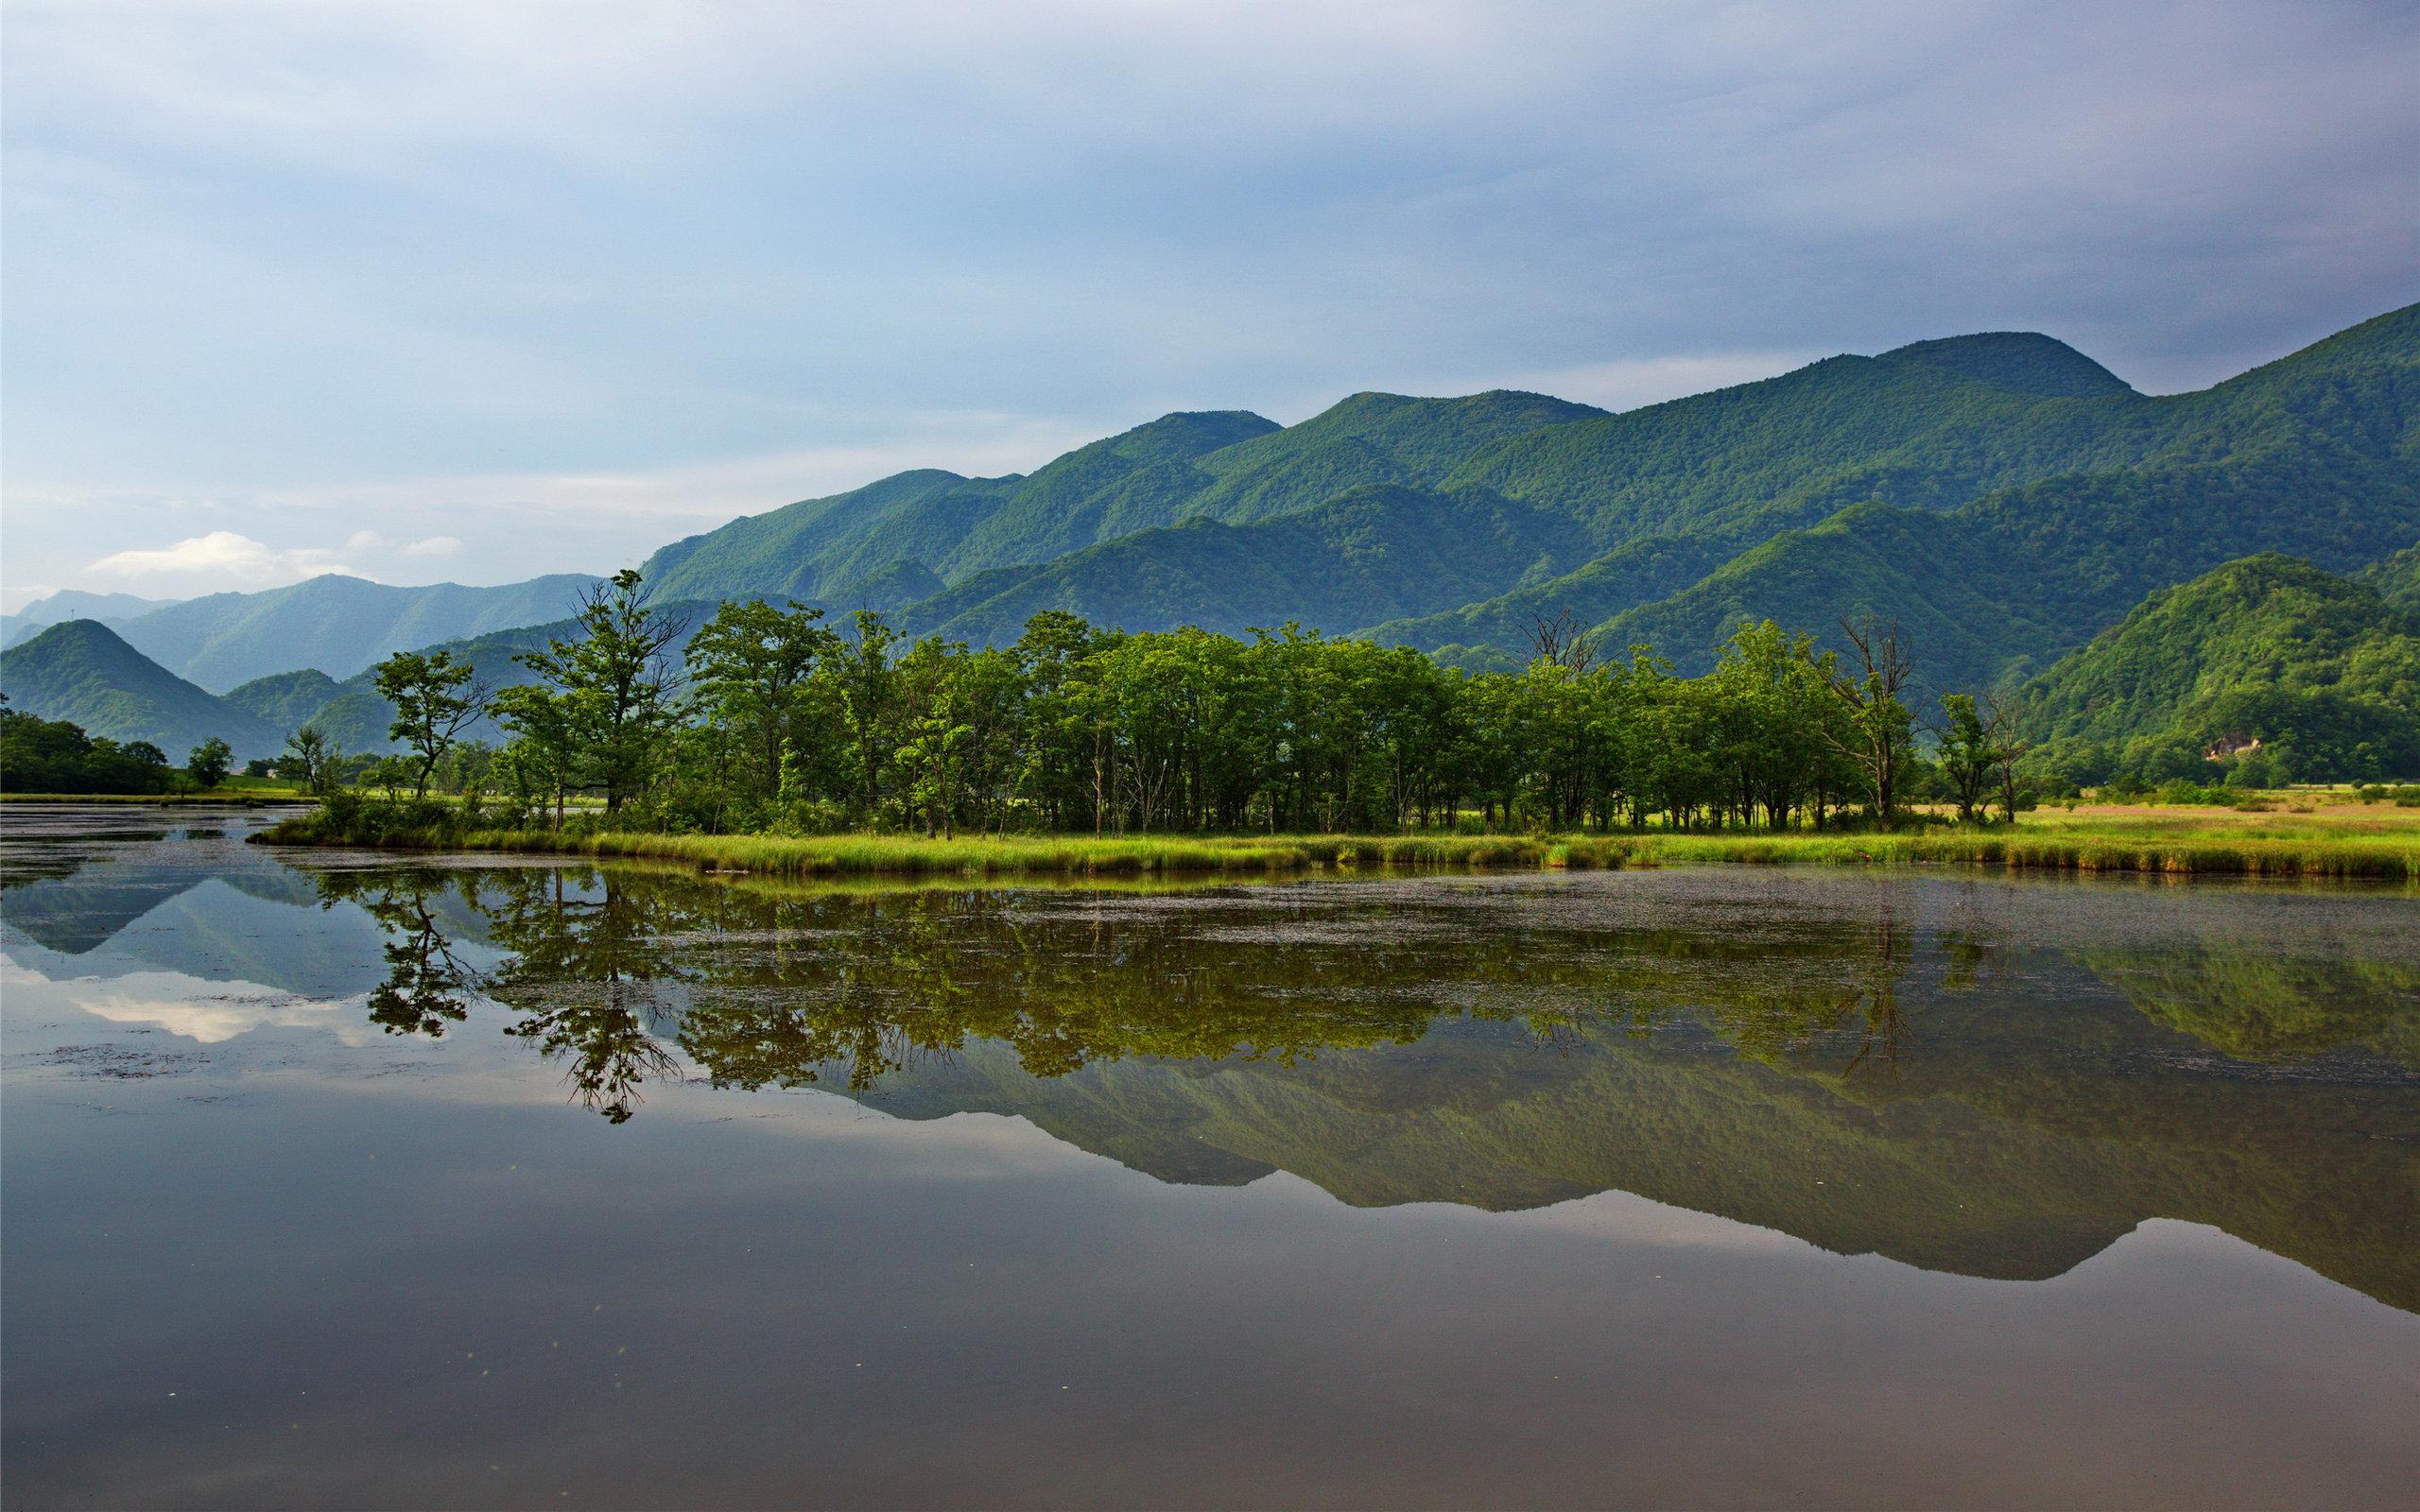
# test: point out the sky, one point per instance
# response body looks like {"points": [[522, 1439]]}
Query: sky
{"points": [[466, 292]]}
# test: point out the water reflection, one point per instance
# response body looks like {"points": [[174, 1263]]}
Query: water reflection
{"points": [[1974, 1075], [1917, 1071]]}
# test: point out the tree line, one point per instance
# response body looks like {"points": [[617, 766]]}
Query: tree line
{"points": [[40, 755], [774, 719]]}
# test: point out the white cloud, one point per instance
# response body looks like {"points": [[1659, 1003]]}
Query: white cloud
{"points": [[431, 546], [224, 557]]}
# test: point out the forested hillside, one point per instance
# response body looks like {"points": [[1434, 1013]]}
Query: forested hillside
{"points": [[2266, 659], [81, 672], [2306, 455], [2397, 579], [2002, 493], [2002, 496], [846, 552], [1367, 555]]}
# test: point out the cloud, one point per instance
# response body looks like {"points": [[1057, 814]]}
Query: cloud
{"points": [[641, 267], [431, 546], [221, 556]]}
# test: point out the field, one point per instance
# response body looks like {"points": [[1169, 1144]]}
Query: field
{"points": [[2319, 835]]}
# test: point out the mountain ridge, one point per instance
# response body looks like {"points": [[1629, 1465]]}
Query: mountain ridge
{"points": [[83, 672]]}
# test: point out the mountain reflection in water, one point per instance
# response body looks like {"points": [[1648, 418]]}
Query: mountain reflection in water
{"points": [[2000, 1079], [1690, 1186]]}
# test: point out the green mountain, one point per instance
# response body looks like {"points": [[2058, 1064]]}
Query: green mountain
{"points": [[2068, 497], [2307, 455], [849, 550], [1366, 555], [2002, 495], [285, 700], [2397, 579], [2318, 670], [82, 672], [335, 623]]}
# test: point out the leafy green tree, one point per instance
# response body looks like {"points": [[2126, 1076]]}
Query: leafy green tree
{"points": [[210, 761], [867, 686], [310, 758], [612, 689], [540, 765], [434, 702], [752, 670], [1969, 760]]}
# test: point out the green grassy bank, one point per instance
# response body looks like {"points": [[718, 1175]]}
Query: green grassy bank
{"points": [[2047, 846]]}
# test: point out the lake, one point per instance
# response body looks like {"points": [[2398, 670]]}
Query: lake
{"points": [[336, 1178]]}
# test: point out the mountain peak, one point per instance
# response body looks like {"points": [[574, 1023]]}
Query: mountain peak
{"points": [[1185, 434], [2025, 362]]}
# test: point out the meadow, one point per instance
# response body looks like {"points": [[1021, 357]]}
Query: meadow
{"points": [[2322, 834]]}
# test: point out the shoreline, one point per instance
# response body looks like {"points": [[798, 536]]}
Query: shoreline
{"points": [[225, 800], [2348, 858]]}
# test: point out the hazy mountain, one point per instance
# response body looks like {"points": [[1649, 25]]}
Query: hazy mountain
{"points": [[352, 714], [81, 671], [335, 623], [72, 604]]}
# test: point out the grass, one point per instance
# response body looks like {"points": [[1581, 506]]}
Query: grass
{"points": [[2161, 842]]}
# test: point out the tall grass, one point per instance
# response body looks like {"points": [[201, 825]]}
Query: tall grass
{"points": [[2184, 852]]}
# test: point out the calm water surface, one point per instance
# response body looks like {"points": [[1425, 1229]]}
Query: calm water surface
{"points": [[341, 1179]]}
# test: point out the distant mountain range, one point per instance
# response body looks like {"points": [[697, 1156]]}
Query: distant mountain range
{"points": [[332, 624], [2003, 495], [72, 604]]}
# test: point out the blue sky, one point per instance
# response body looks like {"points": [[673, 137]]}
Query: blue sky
{"points": [[472, 291]]}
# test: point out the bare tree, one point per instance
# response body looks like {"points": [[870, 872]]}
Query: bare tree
{"points": [[1563, 640], [1999, 723], [1879, 728]]}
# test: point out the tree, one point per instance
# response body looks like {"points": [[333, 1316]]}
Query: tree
{"points": [[1563, 640], [2000, 719], [1878, 727], [1968, 758], [311, 759], [751, 667], [540, 763], [867, 684], [435, 701], [613, 691], [210, 761]]}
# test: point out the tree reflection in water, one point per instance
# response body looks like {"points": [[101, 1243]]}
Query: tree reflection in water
{"points": [[612, 970], [1702, 1048], [585, 973], [428, 985], [603, 969]]}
